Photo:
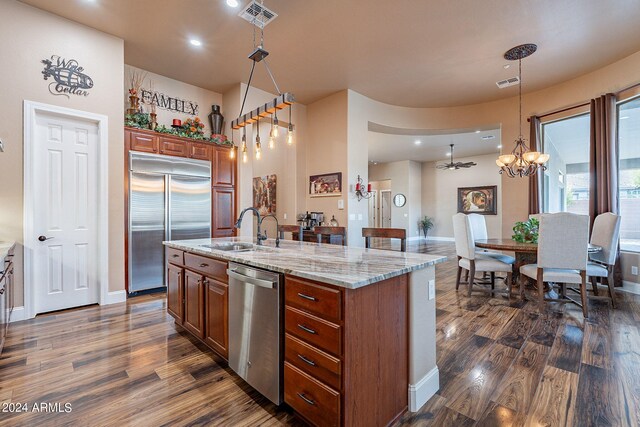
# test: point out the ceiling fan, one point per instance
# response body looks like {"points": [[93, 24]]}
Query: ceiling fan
{"points": [[455, 165]]}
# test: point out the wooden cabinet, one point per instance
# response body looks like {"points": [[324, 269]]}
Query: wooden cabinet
{"points": [[200, 151], [173, 146], [198, 297], [217, 313], [6, 294], [194, 303], [224, 168], [175, 289], [223, 211], [311, 398], [142, 141]]}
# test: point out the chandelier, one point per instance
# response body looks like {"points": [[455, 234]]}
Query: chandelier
{"points": [[268, 111], [522, 161]]}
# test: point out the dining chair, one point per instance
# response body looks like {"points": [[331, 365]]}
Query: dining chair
{"points": [[606, 234], [471, 261], [479, 230], [386, 233], [291, 229], [563, 242], [331, 232]]}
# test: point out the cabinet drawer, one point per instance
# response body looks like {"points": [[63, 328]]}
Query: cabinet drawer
{"points": [[210, 267], [200, 151], [313, 361], [321, 300], [313, 400], [173, 147], [175, 256], [312, 329]]}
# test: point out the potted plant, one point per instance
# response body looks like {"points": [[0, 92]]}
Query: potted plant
{"points": [[526, 231], [425, 224]]}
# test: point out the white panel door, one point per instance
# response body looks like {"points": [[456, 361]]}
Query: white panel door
{"points": [[65, 155]]}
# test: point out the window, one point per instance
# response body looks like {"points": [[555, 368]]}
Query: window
{"points": [[629, 173], [567, 142]]}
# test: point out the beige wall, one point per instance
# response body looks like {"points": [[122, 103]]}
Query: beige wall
{"points": [[327, 152], [27, 36], [440, 193], [175, 89], [405, 178]]}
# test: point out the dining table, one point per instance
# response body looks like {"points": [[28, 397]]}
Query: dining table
{"points": [[525, 252]]}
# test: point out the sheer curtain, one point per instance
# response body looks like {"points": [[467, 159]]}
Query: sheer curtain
{"points": [[603, 164], [535, 181]]}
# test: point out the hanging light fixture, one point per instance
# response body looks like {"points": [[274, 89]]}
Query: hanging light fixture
{"points": [[454, 165], [522, 161], [232, 152], [244, 145], [281, 101]]}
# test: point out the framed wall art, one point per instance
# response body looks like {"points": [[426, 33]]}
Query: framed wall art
{"points": [[480, 200], [264, 194], [329, 184]]}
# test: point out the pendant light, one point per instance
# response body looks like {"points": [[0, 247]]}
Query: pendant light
{"points": [[244, 145], [272, 134], [274, 124], [232, 152], [258, 147], [522, 161], [290, 130]]}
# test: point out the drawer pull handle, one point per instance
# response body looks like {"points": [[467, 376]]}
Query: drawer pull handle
{"points": [[306, 399], [204, 264], [307, 361], [307, 297], [175, 255], [304, 328]]}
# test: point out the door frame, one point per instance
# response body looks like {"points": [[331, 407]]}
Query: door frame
{"points": [[31, 110]]}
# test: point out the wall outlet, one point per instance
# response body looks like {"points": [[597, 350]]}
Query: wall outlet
{"points": [[359, 217], [352, 217], [284, 216], [432, 289], [341, 204], [634, 270]]}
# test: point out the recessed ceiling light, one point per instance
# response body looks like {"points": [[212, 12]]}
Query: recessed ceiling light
{"points": [[448, 154], [505, 66], [477, 131], [232, 3], [417, 142], [500, 146], [195, 42]]}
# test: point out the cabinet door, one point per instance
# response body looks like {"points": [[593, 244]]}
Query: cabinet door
{"points": [[217, 329], [224, 168], [140, 141], [10, 292], [223, 212], [173, 147], [199, 150], [3, 311], [194, 303], [175, 292]]}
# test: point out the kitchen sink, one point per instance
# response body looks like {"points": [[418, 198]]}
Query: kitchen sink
{"points": [[232, 247]]}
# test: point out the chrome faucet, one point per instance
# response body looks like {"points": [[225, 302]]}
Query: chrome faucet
{"points": [[259, 237], [265, 232]]}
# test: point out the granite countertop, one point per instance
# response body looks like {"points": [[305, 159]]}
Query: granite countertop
{"points": [[344, 266], [4, 250]]}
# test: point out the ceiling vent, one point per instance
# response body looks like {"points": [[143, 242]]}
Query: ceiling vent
{"points": [[257, 14], [486, 137], [508, 82]]}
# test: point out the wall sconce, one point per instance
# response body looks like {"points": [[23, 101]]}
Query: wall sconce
{"points": [[363, 192]]}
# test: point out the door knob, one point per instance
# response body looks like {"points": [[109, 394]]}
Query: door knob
{"points": [[44, 238]]}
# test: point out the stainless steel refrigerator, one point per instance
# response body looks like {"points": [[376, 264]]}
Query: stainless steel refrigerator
{"points": [[169, 199]]}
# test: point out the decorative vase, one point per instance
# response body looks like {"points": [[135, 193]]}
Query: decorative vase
{"points": [[216, 120], [133, 104], [153, 121]]}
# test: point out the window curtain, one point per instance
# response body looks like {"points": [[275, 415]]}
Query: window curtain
{"points": [[535, 181], [603, 165]]}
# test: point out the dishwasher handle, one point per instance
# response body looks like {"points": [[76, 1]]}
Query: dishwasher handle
{"points": [[252, 280]]}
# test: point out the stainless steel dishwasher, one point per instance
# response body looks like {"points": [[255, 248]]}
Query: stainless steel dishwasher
{"points": [[255, 328]]}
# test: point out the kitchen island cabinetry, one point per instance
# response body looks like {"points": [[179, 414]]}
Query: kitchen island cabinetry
{"points": [[6, 289]]}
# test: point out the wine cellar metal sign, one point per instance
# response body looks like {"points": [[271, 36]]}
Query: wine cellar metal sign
{"points": [[160, 100], [68, 77]]}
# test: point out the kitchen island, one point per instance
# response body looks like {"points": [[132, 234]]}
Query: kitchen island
{"points": [[359, 324]]}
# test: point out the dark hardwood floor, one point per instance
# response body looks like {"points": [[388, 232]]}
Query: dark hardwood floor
{"points": [[501, 364]]}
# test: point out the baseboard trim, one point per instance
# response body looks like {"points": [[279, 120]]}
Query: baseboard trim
{"points": [[423, 390], [17, 314], [630, 287], [115, 297], [441, 239]]}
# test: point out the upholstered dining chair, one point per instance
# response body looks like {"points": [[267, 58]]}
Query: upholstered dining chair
{"points": [[471, 261], [479, 230], [386, 233], [606, 234], [563, 242], [332, 232], [291, 229]]}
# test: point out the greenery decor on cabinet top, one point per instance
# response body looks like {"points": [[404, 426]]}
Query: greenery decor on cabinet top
{"points": [[526, 231], [187, 130]]}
